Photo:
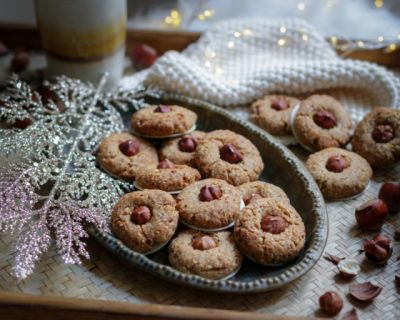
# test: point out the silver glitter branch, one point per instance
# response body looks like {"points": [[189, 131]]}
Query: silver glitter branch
{"points": [[50, 184]]}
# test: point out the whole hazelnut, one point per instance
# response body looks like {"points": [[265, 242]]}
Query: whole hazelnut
{"points": [[372, 214], [210, 193], [187, 144], [337, 164], [331, 303], [280, 105], [250, 198], [382, 133], [348, 268], [203, 242], [129, 147], [378, 249], [230, 153], [273, 224], [20, 61], [162, 108], [141, 215], [325, 119], [166, 164], [390, 194]]}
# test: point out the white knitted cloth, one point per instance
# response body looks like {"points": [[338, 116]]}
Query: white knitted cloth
{"points": [[237, 61]]}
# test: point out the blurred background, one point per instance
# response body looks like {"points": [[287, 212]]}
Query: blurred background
{"points": [[375, 20]]}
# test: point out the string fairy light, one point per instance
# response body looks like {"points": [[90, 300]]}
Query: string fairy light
{"points": [[301, 6], [281, 42], [378, 3], [282, 29], [206, 14], [173, 19]]}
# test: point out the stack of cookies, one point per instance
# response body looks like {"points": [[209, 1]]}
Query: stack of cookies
{"points": [[323, 126], [204, 184]]}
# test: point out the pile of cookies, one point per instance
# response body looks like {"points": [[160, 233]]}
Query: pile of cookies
{"points": [[204, 184], [323, 125]]}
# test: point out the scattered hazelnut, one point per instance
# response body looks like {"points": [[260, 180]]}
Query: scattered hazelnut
{"points": [[20, 61], [348, 268], [143, 56], [390, 194], [22, 123], [337, 164], [378, 249], [129, 147], [280, 105], [141, 215], [210, 193], [325, 119], [230, 153], [382, 133], [397, 280], [187, 144], [250, 198], [166, 164], [365, 291], [3, 49], [331, 303], [372, 214], [334, 259], [350, 315], [162, 108], [273, 224], [397, 234], [203, 242]]}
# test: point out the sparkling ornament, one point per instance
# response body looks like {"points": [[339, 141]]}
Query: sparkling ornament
{"points": [[50, 184]]}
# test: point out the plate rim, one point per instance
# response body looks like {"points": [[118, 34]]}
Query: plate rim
{"points": [[310, 258]]}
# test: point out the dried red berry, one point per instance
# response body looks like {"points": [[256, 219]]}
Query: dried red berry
{"points": [[325, 119], [166, 164], [141, 215], [162, 108], [230, 153], [273, 224], [365, 291], [187, 144], [382, 133], [129, 147], [331, 303], [143, 56], [210, 193], [280, 105], [337, 164]]}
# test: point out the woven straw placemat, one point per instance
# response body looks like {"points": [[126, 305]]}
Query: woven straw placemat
{"points": [[106, 277]]}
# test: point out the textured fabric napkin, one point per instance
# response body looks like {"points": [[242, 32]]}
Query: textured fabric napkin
{"points": [[237, 61]]}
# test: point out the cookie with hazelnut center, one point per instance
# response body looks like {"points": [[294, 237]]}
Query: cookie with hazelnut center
{"points": [[124, 155], [225, 155], [208, 204], [163, 120], [321, 122], [252, 191], [181, 150], [272, 113], [377, 137], [339, 173], [166, 176], [209, 255], [145, 220], [270, 232]]}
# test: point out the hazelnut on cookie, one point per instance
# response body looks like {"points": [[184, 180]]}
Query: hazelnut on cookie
{"points": [[226, 155], [321, 122], [252, 191], [339, 173], [163, 120], [145, 220], [377, 137]]}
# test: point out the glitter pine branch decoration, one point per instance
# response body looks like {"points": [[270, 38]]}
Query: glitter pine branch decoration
{"points": [[50, 185]]}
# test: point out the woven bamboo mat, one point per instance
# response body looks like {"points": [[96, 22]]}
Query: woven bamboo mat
{"points": [[105, 277]]}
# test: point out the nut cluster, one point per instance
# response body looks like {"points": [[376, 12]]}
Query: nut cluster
{"points": [[211, 193]]}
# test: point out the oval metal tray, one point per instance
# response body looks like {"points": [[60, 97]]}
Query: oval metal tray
{"points": [[282, 168]]}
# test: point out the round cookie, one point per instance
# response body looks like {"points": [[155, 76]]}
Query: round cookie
{"points": [[225, 155], [272, 113], [339, 173], [208, 204], [181, 150], [166, 176], [251, 191], [209, 255], [270, 232], [145, 220], [163, 120], [377, 137], [123, 155], [321, 122]]}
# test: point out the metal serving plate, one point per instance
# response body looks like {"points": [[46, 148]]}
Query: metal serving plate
{"points": [[282, 168]]}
